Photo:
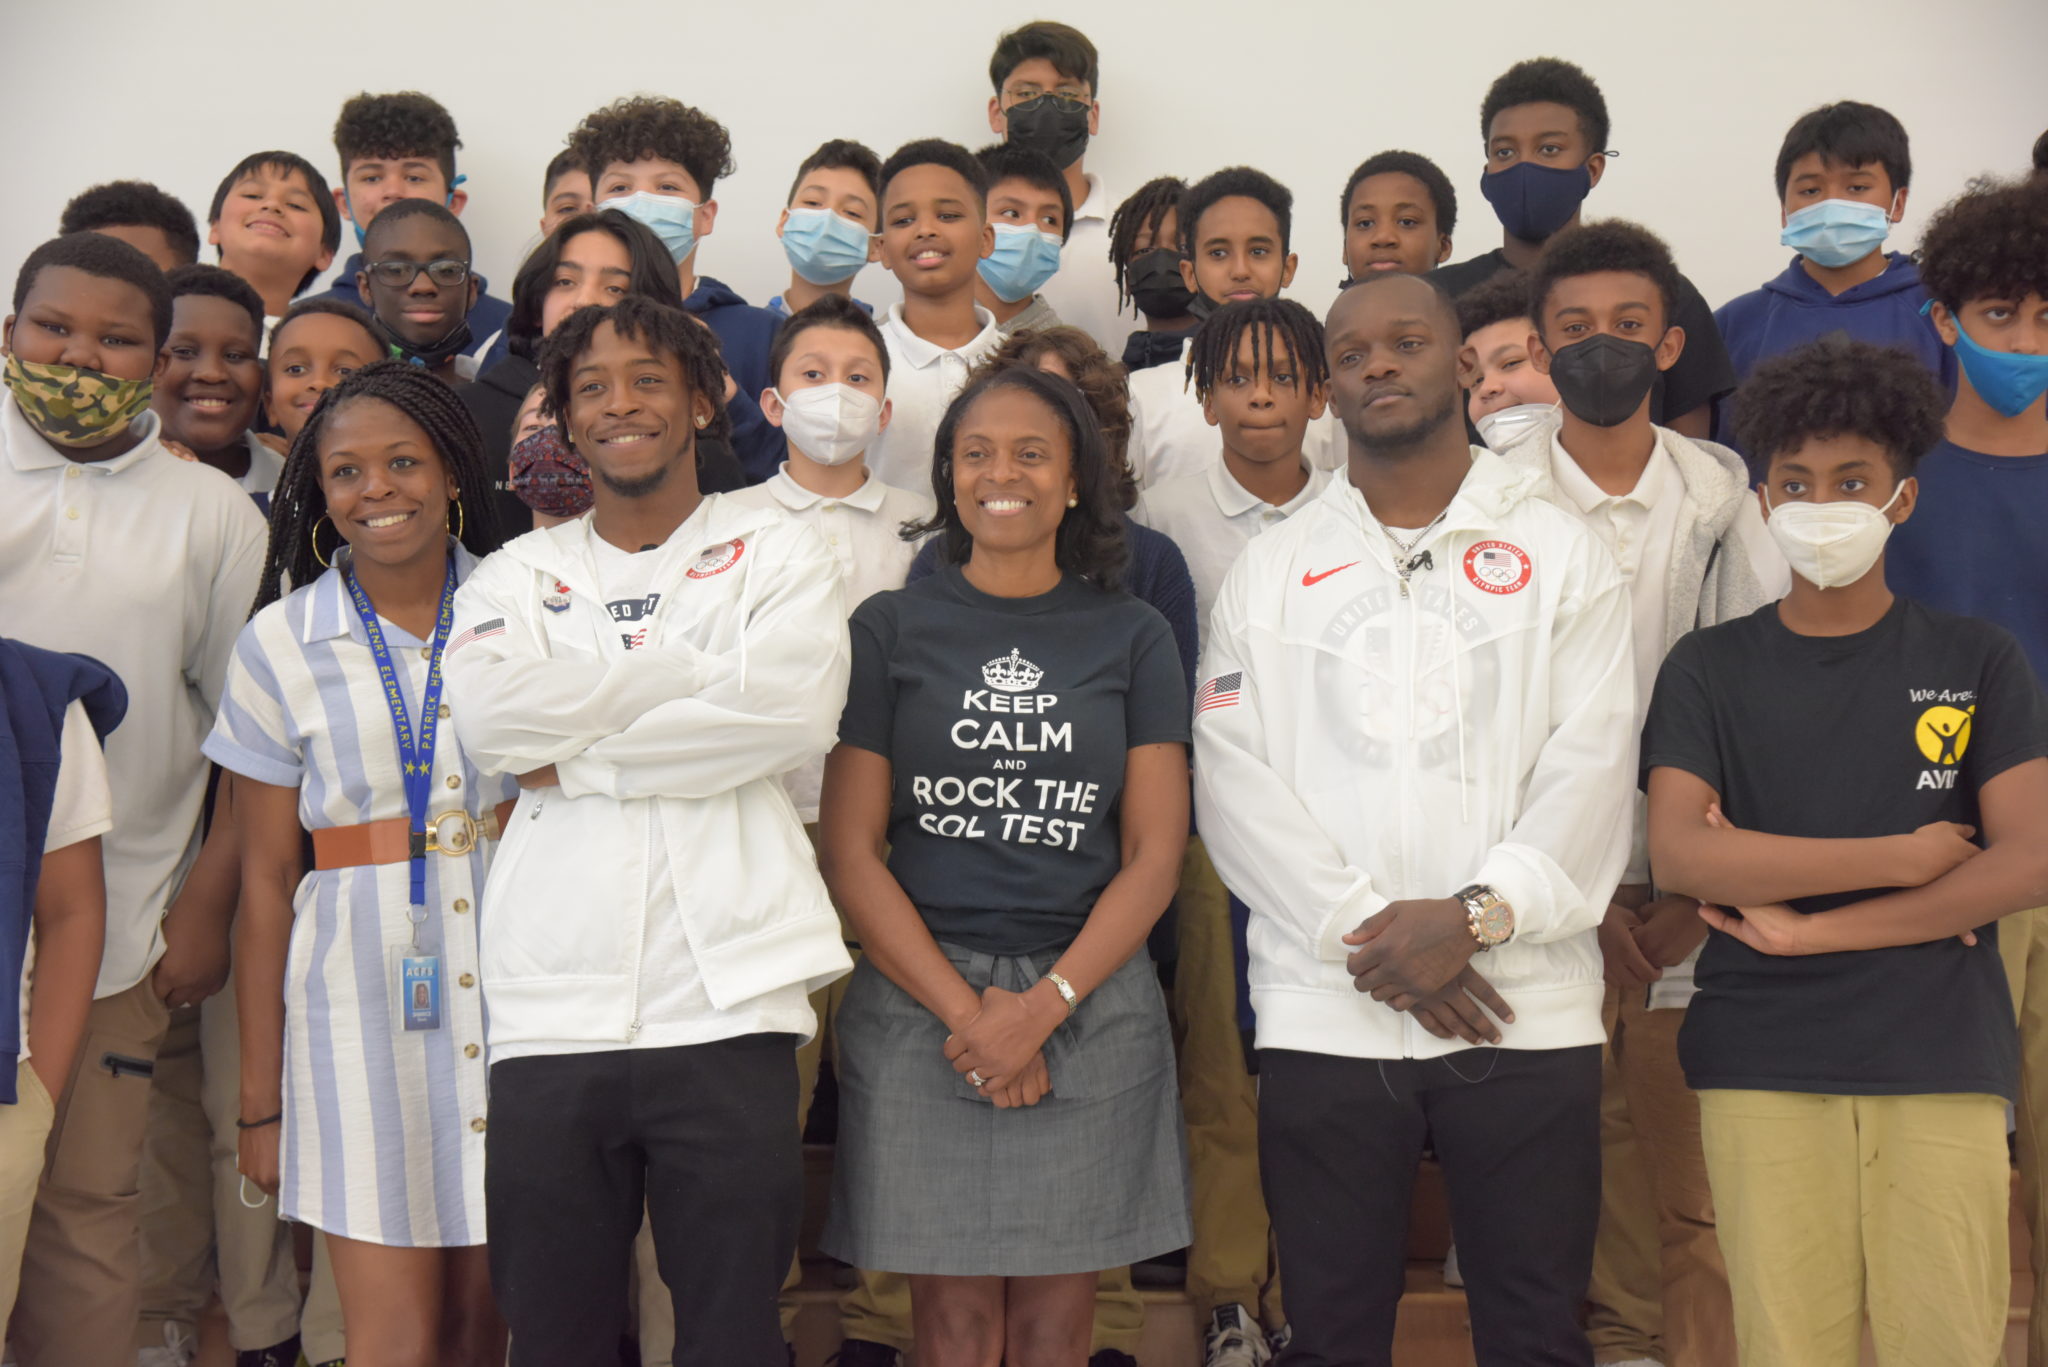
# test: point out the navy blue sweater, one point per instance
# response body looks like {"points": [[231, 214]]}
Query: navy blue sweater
{"points": [[36, 686]]}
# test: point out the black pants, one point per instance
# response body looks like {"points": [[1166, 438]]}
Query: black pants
{"points": [[706, 1135], [1518, 1134]]}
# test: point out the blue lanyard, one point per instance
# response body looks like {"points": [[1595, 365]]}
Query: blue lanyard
{"points": [[416, 760]]}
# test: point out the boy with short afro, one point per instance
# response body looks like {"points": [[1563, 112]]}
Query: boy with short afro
{"points": [[1855, 785], [154, 223]]}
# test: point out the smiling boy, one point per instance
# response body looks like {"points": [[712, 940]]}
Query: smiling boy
{"points": [[274, 226], [210, 389], [417, 281], [935, 231]]}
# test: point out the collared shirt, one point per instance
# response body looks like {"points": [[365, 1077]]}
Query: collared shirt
{"points": [[862, 530], [1083, 291], [1639, 527], [1169, 435], [1211, 517], [148, 564], [923, 378], [1037, 316]]}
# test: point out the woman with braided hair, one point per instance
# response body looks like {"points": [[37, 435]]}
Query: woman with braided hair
{"points": [[360, 1012]]}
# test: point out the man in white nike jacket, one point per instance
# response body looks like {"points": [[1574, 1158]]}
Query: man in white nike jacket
{"points": [[1415, 761], [655, 920]]}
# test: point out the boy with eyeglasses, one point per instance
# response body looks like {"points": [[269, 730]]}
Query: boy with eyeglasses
{"points": [[416, 279]]}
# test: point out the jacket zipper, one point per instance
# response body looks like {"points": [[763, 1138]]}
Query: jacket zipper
{"points": [[1409, 608]]}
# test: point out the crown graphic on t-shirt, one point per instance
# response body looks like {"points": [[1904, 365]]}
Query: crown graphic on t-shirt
{"points": [[1011, 673]]}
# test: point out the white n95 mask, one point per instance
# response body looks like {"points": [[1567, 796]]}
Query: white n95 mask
{"points": [[1831, 544], [830, 423]]}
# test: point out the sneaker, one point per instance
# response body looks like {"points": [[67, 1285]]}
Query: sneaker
{"points": [[1112, 1357], [1235, 1339], [1280, 1338], [862, 1353], [179, 1348], [284, 1354], [1453, 1276]]}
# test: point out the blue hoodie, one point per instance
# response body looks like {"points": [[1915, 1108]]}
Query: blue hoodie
{"points": [[1793, 310], [36, 686], [745, 334]]}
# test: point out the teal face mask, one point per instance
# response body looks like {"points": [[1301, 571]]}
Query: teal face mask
{"points": [[1023, 260], [672, 220], [823, 247], [2010, 381]]}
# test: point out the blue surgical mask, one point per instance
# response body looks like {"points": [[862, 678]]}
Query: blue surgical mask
{"points": [[1836, 232], [823, 247], [1024, 259], [2010, 381], [672, 220]]}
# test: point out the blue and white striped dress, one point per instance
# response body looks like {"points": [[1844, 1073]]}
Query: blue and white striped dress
{"points": [[383, 1129]]}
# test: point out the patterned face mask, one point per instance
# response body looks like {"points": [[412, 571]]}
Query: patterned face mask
{"points": [[549, 476], [75, 407]]}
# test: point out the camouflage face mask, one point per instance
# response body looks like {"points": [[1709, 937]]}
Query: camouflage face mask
{"points": [[73, 406]]}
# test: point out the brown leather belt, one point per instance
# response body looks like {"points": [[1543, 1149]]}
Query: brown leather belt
{"points": [[391, 841]]}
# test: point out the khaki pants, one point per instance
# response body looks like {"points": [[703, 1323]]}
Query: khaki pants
{"points": [[24, 1133], [1231, 1260], [1834, 1207], [194, 1220], [2023, 941], [81, 1274], [1660, 1289]]}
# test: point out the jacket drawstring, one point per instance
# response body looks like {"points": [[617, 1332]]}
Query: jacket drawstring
{"points": [[1458, 689], [746, 610]]}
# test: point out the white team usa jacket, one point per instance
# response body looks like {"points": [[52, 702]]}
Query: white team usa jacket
{"points": [[1355, 746], [742, 677]]}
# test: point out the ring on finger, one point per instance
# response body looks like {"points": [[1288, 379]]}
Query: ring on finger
{"points": [[974, 1076]]}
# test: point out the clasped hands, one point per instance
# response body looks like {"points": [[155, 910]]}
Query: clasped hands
{"points": [[1416, 956], [1003, 1044]]}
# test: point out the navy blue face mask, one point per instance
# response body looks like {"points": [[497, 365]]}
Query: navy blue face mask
{"points": [[1533, 201]]}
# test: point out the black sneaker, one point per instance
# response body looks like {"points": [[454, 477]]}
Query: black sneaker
{"points": [[862, 1353], [1112, 1357], [284, 1354]]}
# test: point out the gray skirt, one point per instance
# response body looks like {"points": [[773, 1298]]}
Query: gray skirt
{"points": [[930, 1178]]}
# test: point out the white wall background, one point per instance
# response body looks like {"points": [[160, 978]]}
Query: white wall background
{"points": [[1701, 92]]}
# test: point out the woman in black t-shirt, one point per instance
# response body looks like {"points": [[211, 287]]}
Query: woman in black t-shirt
{"points": [[1002, 822]]}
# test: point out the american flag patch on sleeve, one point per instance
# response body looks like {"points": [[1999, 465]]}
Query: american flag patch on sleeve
{"points": [[494, 627], [1221, 691]]}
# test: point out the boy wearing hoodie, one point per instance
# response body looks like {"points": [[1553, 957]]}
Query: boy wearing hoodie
{"points": [[1693, 551], [1985, 261], [659, 161], [1413, 752], [650, 669], [1819, 773], [1842, 175]]}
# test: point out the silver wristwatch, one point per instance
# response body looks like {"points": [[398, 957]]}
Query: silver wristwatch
{"points": [[1487, 914]]}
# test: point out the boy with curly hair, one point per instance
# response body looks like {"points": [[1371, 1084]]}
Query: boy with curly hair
{"points": [[1819, 773], [1984, 259], [659, 161], [402, 146]]}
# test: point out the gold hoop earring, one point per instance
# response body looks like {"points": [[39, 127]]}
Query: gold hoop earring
{"points": [[456, 503], [314, 537]]}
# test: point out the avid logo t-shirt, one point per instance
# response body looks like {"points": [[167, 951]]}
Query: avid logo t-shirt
{"points": [[1007, 722], [1838, 737]]}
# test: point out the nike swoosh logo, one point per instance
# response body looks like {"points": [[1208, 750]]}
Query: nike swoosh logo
{"points": [[1310, 580]]}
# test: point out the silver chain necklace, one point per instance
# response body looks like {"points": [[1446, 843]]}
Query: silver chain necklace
{"points": [[1404, 557]]}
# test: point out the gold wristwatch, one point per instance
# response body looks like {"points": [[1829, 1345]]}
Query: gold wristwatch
{"points": [[1487, 914]]}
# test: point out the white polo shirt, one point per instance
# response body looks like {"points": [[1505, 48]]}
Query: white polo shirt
{"points": [[923, 378], [1211, 517], [861, 531], [1083, 291], [1170, 437], [1639, 527], [148, 564]]}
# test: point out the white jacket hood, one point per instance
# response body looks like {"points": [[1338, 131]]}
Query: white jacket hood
{"points": [[1382, 741]]}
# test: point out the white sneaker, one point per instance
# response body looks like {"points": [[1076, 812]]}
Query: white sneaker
{"points": [[180, 1347], [1235, 1340], [1453, 1276]]}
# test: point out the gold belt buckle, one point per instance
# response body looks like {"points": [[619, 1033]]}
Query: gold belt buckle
{"points": [[460, 841]]}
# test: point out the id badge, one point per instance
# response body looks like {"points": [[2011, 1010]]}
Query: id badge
{"points": [[417, 974]]}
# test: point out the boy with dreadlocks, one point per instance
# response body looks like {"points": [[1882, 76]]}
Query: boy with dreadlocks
{"points": [[1144, 251], [1261, 377], [332, 723], [650, 669]]}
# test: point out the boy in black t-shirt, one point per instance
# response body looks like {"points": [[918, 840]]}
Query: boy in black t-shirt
{"points": [[1817, 771]]}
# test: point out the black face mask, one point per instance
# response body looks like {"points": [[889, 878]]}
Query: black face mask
{"points": [[1604, 379], [1056, 127], [1153, 279], [434, 355]]}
